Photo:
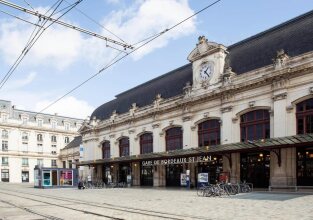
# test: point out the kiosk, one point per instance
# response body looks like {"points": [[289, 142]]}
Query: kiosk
{"points": [[45, 177]]}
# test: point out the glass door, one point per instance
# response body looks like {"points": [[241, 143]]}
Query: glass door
{"points": [[305, 166], [46, 178], [25, 176], [147, 176]]}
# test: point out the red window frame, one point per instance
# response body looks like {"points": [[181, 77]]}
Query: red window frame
{"points": [[106, 150], [146, 143], [124, 147], [304, 112], [206, 130], [251, 120], [174, 139]]}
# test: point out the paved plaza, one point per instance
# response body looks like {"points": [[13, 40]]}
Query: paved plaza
{"points": [[20, 201]]}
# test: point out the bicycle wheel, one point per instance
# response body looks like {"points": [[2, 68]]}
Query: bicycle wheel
{"points": [[201, 191]]}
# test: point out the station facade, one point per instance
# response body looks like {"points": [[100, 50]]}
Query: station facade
{"points": [[245, 110]]}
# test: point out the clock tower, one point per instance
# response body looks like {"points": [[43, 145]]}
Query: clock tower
{"points": [[208, 60]]}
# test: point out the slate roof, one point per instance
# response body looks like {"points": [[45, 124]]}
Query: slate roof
{"points": [[74, 143], [294, 36]]}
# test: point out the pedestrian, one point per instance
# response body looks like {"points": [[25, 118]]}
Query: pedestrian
{"points": [[89, 181]]}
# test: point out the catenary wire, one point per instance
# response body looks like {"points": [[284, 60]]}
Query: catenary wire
{"points": [[14, 16], [121, 58], [94, 21], [26, 49], [29, 5], [4, 80]]}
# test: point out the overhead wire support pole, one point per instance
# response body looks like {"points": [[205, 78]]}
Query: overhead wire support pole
{"points": [[17, 7]]}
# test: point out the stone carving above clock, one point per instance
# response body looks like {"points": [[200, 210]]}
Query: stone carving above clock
{"points": [[204, 48]]}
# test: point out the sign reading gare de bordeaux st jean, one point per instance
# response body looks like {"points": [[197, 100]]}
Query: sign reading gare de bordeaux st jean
{"points": [[181, 160]]}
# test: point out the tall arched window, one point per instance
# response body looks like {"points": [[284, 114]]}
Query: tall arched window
{"points": [[255, 125], [106, 150], [39, 137], [305, 117], [174, 139], [146, 143], [209, 133], [124, 147]]}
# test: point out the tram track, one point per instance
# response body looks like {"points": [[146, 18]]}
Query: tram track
{"points": [[148, 213], [30, 210]]}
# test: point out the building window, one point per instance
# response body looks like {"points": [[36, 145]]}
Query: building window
{"points": [[5, 134], [53, 163], [40, 162], [39, 122], [53, 125], [64, 164], [25, 162], [25, 147], [25, 120], [5, 146], [53, 138], [209, 133], [124, 147], [5, 161], [67, 140], [4, 118], [174, 139], [5, 177], [146, 143], [67, 126], [53, 152], [24, 136], [40, 148], [39, 137], [305, 117], [106, 150], [70, 164], [255, 125]]}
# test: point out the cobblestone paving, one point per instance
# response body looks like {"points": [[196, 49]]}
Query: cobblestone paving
{"points": [[20, 201]]}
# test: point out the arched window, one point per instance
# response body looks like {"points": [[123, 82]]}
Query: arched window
{"points": [[209, 133], [67, 140], [5, 134], [146, 143], [305, 117], [174, 139], [124, 147], [39, 137], [53, 138], [106, 153], [255, 125]]}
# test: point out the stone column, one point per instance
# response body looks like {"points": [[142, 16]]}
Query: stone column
{"points": [[187, 135], [135, 174]]}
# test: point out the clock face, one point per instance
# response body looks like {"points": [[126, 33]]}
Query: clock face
{"points": [[206, 71]]}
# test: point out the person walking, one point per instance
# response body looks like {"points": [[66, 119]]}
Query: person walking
{"points": [[89, 181]]}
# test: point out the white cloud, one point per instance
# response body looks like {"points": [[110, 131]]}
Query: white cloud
{"points": [[60, 47], [16, 84], [149, 17], [68, 106]]}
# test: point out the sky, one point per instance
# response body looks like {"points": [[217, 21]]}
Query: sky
{"points": [[62, 58]]}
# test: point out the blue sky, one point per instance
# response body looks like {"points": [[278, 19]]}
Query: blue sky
{"points": [[62, 58]]}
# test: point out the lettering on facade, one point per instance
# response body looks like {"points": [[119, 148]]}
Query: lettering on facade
{"points": [[181, 160]]}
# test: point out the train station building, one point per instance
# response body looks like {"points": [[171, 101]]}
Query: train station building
{"points": [[244, 111]]}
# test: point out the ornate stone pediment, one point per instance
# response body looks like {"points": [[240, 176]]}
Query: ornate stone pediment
{"points": [[204, 48]]}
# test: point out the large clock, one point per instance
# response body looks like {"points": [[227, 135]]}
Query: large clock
{"points": [[206, 70]]}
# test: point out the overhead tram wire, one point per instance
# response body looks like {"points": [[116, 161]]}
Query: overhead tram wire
{"points": [[29, 5], [94, 21], [85, 31], [26, 49], [33, 41], [14, 16], [121, 58]]}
